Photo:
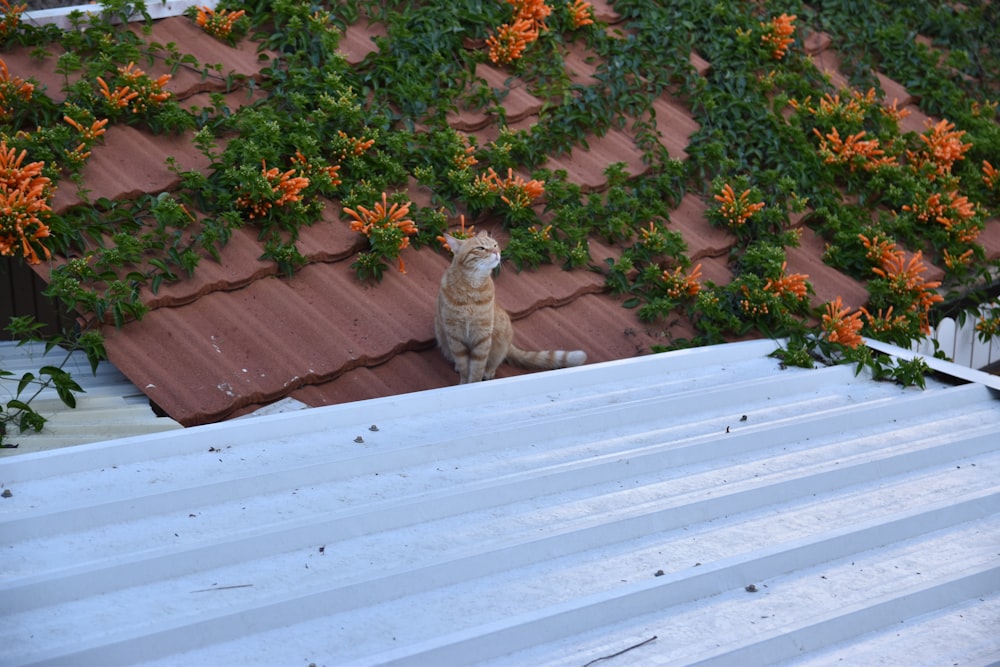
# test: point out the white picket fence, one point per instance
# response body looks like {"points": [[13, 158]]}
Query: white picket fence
{"points": [[961, 343]]}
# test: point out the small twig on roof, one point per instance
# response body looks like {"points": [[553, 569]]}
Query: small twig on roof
{"points": [[222, 588], [624, 650]]}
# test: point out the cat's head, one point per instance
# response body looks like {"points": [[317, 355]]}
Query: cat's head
{"points": [[479, 254]]}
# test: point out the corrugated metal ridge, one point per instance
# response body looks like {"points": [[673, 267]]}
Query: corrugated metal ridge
{"points": [[525, 521]]}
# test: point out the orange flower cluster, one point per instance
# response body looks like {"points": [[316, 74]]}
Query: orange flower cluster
{"points": [[788, 284], [511, 39], [535, 11], [120, 97], [905, 280], [753, 307], [650, 232], [517, 193], [884, 322], [778, 34], [541, 233], [831, 107], [462, 232], [580, 14], [89, 135], [841, 327], [11, 18], [957, 262], [306, 169], [894, 112], [943, 147], [736, 210], [465, 159], [355, 145], [988, 325], [680, 285], [382, 215], [991, 175], [852, 150], [11, 89], [24, 205], [139, 92], [385, 221], [949, 209], [218, 24], [285, 188], [878, 249]]}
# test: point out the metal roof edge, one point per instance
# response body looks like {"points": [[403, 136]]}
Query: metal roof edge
{"points": [[289, 424], [943, 366]]}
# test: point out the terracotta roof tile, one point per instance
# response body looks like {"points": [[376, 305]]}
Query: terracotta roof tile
{"points": [[22, 60], [816, 41], [828, 62], [894, 92], [586, 166], [359, 40], [989, 238], [240, 265], [703, 239], [676, 125], [238, 334], [253, 345], [700, 65], [581, 64], [518, 103], [826, 281], [916, 121], [130, 163], [605, 12], [592, 323], [243, 59]]}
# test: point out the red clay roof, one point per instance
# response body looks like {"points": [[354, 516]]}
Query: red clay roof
{"points": [[238, 335]]}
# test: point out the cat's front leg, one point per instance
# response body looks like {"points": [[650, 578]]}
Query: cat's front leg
{"points": [[456, 351], [479, 352]]}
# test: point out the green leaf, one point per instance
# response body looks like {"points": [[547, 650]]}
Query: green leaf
{"points": [[26, 379], [16, 405], [33, 420], [52, 371], [66, 396]]}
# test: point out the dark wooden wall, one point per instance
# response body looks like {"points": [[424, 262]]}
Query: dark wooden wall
{"points": [[21, 294]]}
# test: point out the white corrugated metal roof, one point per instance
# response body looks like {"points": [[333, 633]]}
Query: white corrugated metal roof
{"points": [[547, 519], [110, 406]]}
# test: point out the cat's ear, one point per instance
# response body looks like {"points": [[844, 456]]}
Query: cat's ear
{"points": [[453, 242]]}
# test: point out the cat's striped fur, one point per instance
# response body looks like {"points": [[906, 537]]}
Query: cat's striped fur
{"points": [[472, 330]]}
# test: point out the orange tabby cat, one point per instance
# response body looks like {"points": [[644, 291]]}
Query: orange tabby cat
{"points": [[472, 330]]}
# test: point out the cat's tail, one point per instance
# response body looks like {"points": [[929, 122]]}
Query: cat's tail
{"points": [[545, 359]]}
